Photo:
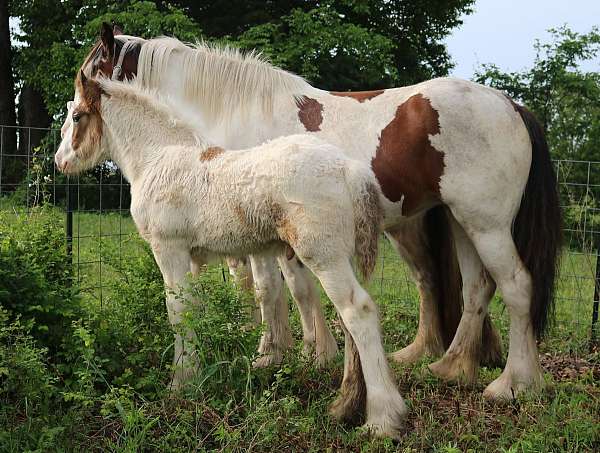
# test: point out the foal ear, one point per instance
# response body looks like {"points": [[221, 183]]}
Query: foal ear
{"points": [[117, 30], [82, 78], [108, 38]]}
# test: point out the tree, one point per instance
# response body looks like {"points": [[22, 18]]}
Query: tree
{"points": [[341, 44], [7, 93]]}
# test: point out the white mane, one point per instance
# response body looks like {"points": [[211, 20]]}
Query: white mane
{"points": [[153, 102], [222, 79]]}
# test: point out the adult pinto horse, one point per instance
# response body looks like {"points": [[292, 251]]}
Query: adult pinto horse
{"points": [[467, 166], [424, 238]]}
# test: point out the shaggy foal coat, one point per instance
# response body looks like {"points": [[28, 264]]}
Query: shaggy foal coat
{"points": [[192, 202]]}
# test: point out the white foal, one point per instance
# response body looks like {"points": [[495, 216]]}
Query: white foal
{"points": [[192, 202]]}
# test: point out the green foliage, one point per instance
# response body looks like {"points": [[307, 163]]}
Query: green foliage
{"points": [[326, 49], [226, 340], [564, 97], [25, 381], [35, 275], [347, 44]]}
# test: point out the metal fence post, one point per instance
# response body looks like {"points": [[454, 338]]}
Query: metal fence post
{"points": [[70, 208], [593, 337]]}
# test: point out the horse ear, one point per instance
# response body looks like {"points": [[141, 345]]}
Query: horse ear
{"points": [[117, 30], [82, 78], [108, 38]]}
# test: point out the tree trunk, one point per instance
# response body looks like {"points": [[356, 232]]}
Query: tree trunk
{"points": [[8, 135], [32, 113]]}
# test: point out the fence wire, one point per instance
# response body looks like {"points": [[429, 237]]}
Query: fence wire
{"points": [[98, 224]]}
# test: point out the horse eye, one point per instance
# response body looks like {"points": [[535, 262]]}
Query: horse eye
{"points": [[76, 117]]}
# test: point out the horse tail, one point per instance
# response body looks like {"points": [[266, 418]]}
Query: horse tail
{"points": [[368, 215], [445, 271], [537, 227]]}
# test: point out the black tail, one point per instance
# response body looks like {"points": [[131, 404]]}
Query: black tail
{"points": [[447, 280], [537, 229]]}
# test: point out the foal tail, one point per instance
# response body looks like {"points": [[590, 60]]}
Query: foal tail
{"points": [[537, 228], [368, 216]]}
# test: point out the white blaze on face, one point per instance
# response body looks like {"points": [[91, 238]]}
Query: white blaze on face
{"points": [[65, 154]]}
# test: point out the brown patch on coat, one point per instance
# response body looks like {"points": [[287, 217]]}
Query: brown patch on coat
{"points": [[87, 132], [210, 153], [360, 96], [310, 113], [285, 228], [406, 164]]}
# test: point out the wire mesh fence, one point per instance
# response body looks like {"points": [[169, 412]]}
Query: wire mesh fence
{"points": [[98, 225]]}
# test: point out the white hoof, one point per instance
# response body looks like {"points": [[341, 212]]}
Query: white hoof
{"points": [[388, 420], [508, 385]]}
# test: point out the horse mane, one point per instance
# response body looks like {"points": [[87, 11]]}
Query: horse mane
{"points": [[152, 101], [223, 79]]}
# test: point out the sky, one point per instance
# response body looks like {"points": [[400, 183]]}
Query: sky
{"points": [[503, 31]]}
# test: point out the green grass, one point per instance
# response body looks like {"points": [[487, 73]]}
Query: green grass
{"points": [[286, 408]]}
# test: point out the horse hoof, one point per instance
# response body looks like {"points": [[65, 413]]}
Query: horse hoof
{"points": [[456, 368]]}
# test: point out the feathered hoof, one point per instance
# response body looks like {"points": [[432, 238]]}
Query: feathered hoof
{"points": [[323, 352], [349, 410], [389, 421], [414, 352], [267, 360], [456, 368], [508, 386]]}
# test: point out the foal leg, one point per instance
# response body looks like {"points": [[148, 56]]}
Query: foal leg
{"points": [[523, 370], [461, 360], [174, 262], [241, 272], [268, 287], [317, 337], [385, 408]]}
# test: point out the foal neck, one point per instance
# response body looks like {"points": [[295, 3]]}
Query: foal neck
{"points": [[139, 132]]}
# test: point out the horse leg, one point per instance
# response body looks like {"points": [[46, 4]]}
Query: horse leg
{"points": [[174, 262], [317, 337], [410, 241], [268, 287], [385, 408], [461, 360], [241, 272], [426, 244], [523, 371]]}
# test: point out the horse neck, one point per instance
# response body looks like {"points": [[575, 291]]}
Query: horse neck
{"points": [[245, 125], [137, 136]]}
